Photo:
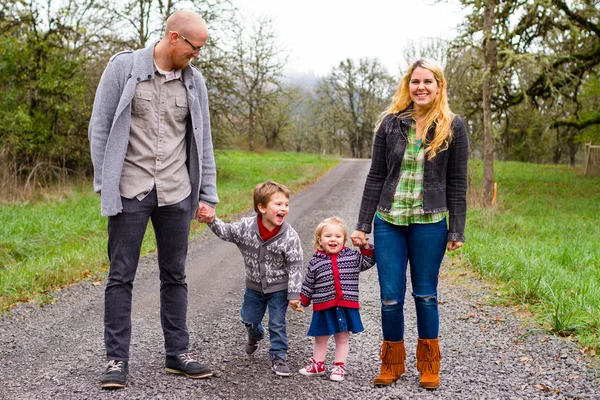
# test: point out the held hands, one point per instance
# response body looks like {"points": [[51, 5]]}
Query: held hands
{"points": [[360, 239], [295, 305], [205, 213]]}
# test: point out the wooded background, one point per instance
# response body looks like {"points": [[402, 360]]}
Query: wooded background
{"points": [[524, 74]]}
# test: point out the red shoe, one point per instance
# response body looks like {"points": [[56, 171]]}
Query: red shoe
{"points": [[315, 368], [338, 372]]}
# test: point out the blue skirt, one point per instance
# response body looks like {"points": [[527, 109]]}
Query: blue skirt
{"points": [[334, 320]]}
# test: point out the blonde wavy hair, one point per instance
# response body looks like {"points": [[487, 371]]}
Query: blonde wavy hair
{"points": [[323, 224], [439, 112]]}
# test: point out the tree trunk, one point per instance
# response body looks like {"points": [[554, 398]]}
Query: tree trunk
{"points": [[488, 134]]}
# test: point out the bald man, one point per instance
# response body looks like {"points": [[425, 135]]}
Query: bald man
{"points": [[153, 159]]}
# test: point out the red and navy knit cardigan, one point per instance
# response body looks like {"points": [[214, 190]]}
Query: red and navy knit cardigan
{"points": [[332, 280]]}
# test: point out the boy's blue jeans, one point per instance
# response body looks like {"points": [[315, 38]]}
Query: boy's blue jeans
{"points": [[423, 247], [125, 234], [253, 310]]}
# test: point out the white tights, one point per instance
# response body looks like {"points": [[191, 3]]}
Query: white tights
{"points": [[342, 346]]}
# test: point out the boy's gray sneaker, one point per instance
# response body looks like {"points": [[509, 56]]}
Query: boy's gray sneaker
{"points": [[251, 346], [280, 367], [187, 365], [115, 375]]}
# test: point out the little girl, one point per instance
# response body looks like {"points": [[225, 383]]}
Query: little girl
{"points": [[331, 284]]}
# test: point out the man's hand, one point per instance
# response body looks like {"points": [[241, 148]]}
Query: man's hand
{"points": [[205, 213], [296, 305]]}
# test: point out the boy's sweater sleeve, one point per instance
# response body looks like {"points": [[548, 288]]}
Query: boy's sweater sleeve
{"points": [[367, 258], [227, 232], [294, 260], [308, 287]]}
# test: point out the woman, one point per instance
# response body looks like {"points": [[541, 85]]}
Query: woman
{"points": [[418, 173]]}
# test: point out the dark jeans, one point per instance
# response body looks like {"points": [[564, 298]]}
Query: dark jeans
{"points": [[125, 234], [423, 247], [253, 310]]}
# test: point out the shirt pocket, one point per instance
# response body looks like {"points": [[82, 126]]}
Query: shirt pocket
{"points": [[180, 111], [141, 102]]}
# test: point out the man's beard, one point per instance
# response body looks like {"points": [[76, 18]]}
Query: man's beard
{"points": [[178, 62]]}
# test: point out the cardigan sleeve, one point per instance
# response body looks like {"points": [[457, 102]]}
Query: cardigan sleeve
{"points": [[308, 287], [456, 180], [367, 258], [294, 260], [225, 231], [375, 178]]}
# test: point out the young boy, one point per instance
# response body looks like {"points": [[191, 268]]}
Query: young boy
{"points": [[273, 259]]}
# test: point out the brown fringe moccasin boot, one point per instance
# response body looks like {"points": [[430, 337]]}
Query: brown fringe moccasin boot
{"points": [[392, 355], [428, 363]]}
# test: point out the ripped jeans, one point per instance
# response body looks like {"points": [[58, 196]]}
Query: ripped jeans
{"points": [[422, 246]]}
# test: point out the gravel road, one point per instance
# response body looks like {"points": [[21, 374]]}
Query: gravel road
{"points": [[57, 352]]}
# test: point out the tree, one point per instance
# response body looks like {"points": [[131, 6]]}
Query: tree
{"points": [[255, 72], [356, 94], [489, 57], [43, 112]]}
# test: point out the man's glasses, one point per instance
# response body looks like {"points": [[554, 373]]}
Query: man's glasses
{"points": [[195, 48]]}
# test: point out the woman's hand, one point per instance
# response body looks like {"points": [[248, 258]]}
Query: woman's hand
{"points": [[359, 238], [452, 245]]}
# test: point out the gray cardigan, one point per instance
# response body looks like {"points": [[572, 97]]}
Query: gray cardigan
{"points": [[110, 125], [271, 266]]}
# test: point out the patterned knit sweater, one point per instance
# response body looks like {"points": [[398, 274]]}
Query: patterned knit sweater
{"points": [[332, 280], [272, 265]]}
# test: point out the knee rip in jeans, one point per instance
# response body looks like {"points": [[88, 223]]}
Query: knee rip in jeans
{"points": [[426, 299], [389, 304]]}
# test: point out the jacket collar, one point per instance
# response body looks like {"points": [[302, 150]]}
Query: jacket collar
{"points": [[146, 65]]}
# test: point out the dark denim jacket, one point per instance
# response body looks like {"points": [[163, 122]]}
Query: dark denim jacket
{"points": [[444, 182]]}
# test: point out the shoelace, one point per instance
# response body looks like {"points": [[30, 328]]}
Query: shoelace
{"points": [[314, 366], [186, 358], [279, 361], [338, 370], [114, 365]]}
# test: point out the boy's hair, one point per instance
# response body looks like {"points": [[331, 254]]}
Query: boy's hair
{"points": [[264, 191], [323, 224]]}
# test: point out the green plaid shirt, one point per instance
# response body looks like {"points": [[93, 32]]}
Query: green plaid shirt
{"points": [[407, 206]]}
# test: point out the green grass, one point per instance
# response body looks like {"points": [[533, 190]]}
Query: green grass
{"points": [[59, 240], [542, 240]]}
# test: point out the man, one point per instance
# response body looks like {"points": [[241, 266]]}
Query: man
{"points": [[153, 159]]}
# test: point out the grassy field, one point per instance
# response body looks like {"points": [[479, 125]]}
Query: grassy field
{"points": [[542, 241], [61, 238]]}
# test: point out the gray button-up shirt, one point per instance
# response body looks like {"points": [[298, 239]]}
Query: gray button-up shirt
{"points": [[156, 153]]}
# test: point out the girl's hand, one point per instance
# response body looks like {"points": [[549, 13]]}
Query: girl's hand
{"points": [[296, 305], [452, 245], [359, 238]]}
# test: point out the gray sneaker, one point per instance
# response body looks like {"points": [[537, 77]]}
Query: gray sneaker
{"points": [[280, 367], [115, 375]]}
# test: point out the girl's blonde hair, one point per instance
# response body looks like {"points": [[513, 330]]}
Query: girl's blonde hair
{"points": [[323, 224], [439, 112]]}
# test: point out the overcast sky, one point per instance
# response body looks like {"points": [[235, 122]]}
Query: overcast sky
{"points": [[320, 33]]}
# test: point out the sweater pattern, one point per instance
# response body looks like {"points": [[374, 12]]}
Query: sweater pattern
{"points": [[332, 280]]}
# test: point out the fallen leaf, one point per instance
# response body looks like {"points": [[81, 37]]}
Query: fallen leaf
{"points": [[543, 388]]}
